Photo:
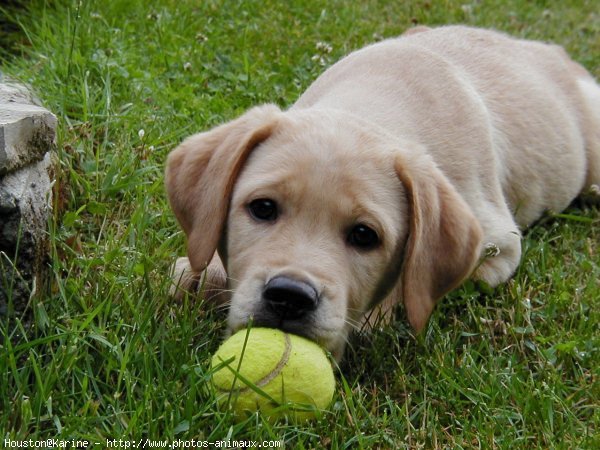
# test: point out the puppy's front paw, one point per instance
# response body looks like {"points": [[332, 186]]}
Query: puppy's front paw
{"points": [[184, 279], [212, 281], [382, 314]]}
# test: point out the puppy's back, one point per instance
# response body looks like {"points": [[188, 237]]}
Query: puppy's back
{"points": [[457, 90]]}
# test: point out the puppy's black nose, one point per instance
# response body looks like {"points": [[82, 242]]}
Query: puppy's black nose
{"points": [[289, 298]]}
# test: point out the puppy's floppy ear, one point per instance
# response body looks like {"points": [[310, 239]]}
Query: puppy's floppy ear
{"points": [[201, 173], [444, 241]]}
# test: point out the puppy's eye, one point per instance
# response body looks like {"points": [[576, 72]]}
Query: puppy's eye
{"points": [[263, 209], [363, 237]]}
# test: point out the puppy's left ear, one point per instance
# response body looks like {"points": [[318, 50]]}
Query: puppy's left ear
{"points": [[444, 242], [201, 173]]}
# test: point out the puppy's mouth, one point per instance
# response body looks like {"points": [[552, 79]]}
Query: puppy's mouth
{"points": [[289, 304], [292, 303]]}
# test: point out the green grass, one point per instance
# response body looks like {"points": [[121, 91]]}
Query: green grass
{"points": [[109, 356]]}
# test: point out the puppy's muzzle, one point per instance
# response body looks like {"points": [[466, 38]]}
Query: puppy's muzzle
{"points": [[290, 299]]}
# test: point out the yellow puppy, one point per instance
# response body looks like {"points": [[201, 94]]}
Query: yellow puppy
{"points": [[385, 181]]}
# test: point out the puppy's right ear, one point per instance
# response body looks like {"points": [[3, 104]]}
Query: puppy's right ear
{"points": [[202, 171], [444, 240]]}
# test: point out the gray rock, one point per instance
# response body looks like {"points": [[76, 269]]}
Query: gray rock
{"points": [[27, 131], [16, 93], [27, 140]]}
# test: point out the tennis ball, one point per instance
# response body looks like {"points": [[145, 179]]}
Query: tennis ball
{"points": [[273, 372]]}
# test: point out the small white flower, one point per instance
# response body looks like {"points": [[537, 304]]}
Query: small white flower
{"points": [[324, 47], [319, 59], [187, 66], [141, 133]]}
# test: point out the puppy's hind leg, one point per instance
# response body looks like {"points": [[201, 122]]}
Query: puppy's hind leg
{"points": [[502, 249], [591, 98]]}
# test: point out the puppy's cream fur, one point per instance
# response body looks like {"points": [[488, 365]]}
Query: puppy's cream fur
{"points": [[443, 141]]}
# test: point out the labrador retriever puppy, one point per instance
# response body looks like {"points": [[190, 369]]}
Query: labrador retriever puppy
{"points": [[388, 181]]}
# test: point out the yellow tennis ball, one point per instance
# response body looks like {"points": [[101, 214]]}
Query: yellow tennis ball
{"points": [[274, 372]]}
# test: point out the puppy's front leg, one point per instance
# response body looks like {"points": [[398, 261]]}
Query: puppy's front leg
{"points": [[212, 280], [382, 314]]}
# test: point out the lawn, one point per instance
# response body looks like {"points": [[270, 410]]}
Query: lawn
{"points": [[110, 356]]}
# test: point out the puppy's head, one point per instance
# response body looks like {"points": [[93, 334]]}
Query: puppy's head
{"points": [[317, 217]]}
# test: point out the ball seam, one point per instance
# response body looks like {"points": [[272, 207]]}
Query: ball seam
{"points": [[280, 365], [274, 373]]}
